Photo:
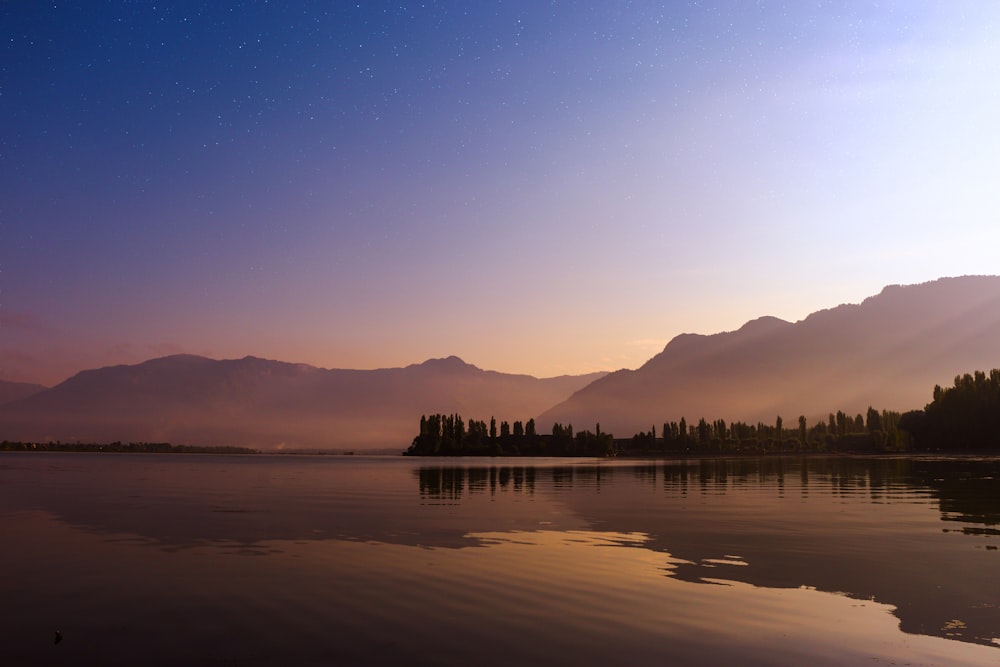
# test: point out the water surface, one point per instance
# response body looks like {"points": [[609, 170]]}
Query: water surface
{"points": [[178, 559]]}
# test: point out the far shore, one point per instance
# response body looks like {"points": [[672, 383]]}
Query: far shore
{"points": [[224, 450]]}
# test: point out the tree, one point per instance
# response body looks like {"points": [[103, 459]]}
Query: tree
{"points": [[842, 423], [965, 416], [874, 421], [703, 432]]}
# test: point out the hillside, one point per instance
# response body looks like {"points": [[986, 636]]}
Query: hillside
{"points": [[13, 391], [888, 351], [253, 402]]}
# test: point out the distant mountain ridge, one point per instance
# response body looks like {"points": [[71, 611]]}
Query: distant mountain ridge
{"points": [[186, 399], [13, 391], [888, 351]]}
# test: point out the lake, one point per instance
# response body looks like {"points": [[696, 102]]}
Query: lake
{"points": [[285, 560]]}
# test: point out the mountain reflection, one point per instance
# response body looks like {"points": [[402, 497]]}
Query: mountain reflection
{"points": [[919, 534], [859, 526]]}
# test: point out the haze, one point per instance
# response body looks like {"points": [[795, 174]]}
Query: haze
{"points": [[537, 188]]}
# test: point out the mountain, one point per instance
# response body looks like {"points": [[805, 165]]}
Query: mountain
{"points": [[13, 391], [888, 352], [253, 402]]}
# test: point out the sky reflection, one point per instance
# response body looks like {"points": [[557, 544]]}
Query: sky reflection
{"points": [[872, 531]]}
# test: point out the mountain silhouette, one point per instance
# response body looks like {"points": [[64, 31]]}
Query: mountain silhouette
{"points": [[13, 391], [888, 352], [185, 399]]}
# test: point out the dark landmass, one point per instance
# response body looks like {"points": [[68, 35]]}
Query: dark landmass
{"points": [[447, 435], [965, 416], [122, 448], [878, 432], [962, 418]]}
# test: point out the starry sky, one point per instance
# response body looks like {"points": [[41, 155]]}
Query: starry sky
{"points": [[540, 187]]}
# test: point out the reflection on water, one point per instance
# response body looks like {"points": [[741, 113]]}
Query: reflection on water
{"points": [[967, 491], [451, 483], [286, 560], [861, 526]]}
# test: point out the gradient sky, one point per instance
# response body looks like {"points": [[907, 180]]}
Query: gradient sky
{"points": [[537, 187]]}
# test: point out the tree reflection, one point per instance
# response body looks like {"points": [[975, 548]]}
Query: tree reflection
{"points": [[826, 523], [452, 483], [965, 489], [968, 491]]}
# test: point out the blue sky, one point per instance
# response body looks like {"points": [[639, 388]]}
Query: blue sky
{"points": [[538, 187]]}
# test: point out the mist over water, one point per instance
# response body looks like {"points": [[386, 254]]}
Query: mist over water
{"points": [[180, 559]]}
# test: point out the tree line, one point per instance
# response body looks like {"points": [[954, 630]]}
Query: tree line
{"points": [[450, 435], [876, 431], [965, 417]]}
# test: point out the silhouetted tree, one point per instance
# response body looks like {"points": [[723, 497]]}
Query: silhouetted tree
{"points": [[964, 417], [874, 421]]}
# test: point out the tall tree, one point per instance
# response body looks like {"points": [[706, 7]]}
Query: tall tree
{"points": [[874, 421]]}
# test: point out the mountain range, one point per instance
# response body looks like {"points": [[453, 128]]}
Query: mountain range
{"points": [[888, 352], [251, 402]]}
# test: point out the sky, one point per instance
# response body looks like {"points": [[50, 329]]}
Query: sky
{"points": [[537, 187]]}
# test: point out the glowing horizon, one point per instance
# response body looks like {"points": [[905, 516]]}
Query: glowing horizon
{"points": [[534, 189]]}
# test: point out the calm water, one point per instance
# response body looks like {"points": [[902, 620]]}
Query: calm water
{"points": [[192, 560]]}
